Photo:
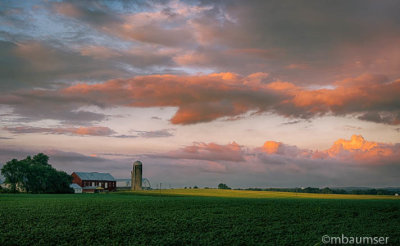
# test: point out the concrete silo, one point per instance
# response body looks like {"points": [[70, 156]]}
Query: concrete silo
{"points": [[136, 176]]}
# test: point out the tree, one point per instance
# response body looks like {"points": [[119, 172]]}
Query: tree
{"points": [[36, 175], [41, 159], [14, 171], [223, 186], [326, 190]]}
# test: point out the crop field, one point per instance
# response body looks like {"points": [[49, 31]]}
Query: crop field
{"points": [[257, 194], [178, 218]]}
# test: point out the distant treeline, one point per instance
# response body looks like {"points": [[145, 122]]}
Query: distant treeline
{"points": [[329, 191]]}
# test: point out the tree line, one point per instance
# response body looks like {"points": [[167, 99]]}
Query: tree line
{"points": [[35, 175], [327, 190]]}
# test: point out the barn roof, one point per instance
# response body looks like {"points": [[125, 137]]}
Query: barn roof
{"points": [[95, 176], [75, 186], [123, 179]]}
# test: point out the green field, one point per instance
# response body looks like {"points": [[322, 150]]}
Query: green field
{"points": [[180, 217]]}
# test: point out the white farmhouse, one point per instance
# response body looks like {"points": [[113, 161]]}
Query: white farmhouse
{"points": [[76, 187]]}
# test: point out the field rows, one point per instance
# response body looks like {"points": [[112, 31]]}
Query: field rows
{"points": [[132, 219]]}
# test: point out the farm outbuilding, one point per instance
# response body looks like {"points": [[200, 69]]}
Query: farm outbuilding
{"points": [[125, 184], [76, 187], [94, 182]]}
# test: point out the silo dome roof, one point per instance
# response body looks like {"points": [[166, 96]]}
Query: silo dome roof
{"points": [[137, 163]]}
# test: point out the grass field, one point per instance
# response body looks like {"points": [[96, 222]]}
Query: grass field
{"points": [[148, 218]]}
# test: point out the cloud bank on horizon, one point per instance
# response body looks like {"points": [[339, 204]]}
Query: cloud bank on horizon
{"points": [[148, 78], [351, 162]]}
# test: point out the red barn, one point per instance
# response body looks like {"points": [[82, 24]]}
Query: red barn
{"points": [[94, 182]]}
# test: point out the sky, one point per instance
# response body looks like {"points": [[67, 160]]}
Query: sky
{"points": [[247, 93]]}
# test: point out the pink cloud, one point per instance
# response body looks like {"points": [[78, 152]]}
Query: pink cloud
{"points": [[356, 149], [301, 66], [271, 147], [210, 152], [359, 149], [204, 98], [82, 131]]}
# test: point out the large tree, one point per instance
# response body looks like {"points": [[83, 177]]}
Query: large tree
{"points": [[36, 175], [14, 171]]}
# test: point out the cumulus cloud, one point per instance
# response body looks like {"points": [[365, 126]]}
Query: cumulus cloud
{"points": [[357, 149], [361, 150], [348, 162]]}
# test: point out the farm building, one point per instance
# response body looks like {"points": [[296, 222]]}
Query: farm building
{"points": [[76, 187], [126, 184], [94, 181], [136, 176]]}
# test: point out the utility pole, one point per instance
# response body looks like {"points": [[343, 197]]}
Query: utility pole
{"points": [[160, 187]]}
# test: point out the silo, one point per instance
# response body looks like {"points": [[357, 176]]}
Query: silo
{"points": [[136, 176]]}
